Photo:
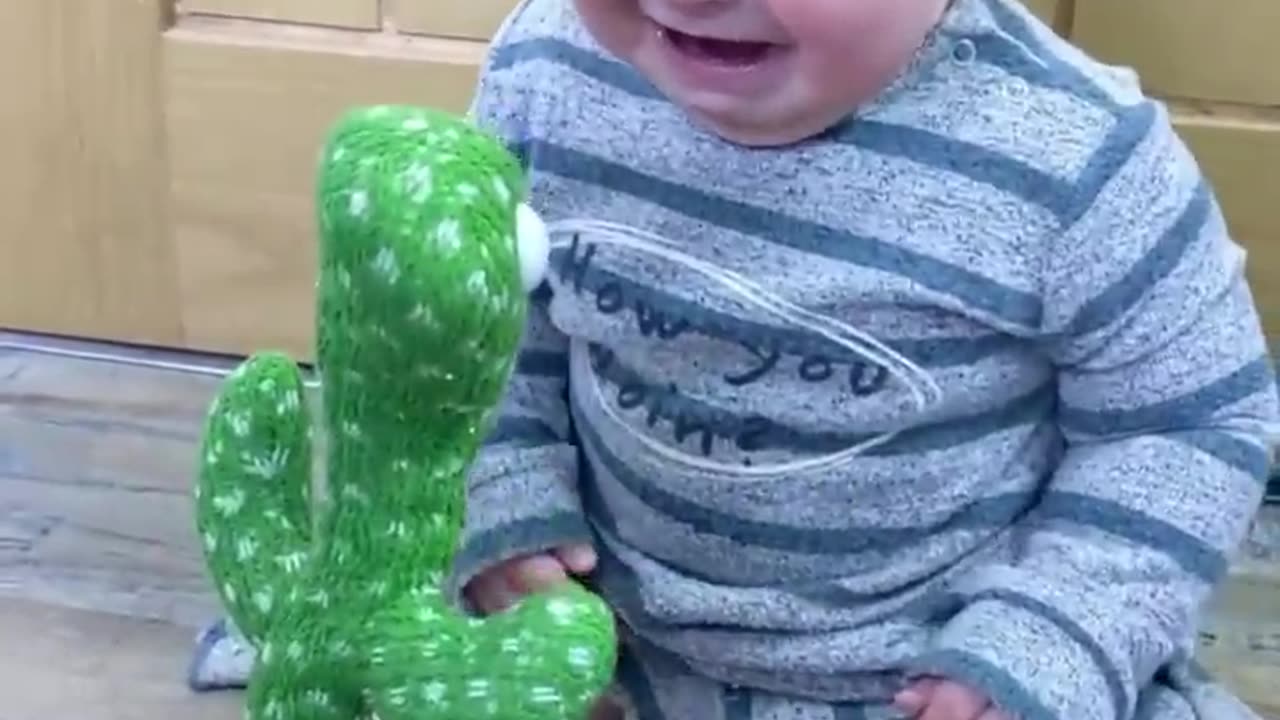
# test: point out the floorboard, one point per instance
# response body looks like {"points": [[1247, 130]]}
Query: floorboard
{"points": [[65, 664]]}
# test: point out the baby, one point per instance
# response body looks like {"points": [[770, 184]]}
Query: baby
{"points": [[894, 361]]}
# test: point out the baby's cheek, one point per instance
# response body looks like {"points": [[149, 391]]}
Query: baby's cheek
{"points": [[837, 22]]}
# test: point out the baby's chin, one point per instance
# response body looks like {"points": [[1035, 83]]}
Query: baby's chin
{"points": [[763, 124]]}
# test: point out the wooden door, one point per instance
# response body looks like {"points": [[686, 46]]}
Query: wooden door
{"points": [[160, 155]]}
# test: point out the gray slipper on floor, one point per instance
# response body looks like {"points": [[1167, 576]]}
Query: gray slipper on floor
{"points": [[222, 659]]}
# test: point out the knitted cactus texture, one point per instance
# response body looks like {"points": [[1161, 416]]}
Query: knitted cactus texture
{"points": [[420, 309]]}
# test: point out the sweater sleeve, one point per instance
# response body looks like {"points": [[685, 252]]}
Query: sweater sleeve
{"points": [[1167, 407], [522, 490]]}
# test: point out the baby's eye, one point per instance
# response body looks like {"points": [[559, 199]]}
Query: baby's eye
{"points": [[533, 246]]}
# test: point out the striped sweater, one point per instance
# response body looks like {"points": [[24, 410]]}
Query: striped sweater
{"points": [[970, 384]]}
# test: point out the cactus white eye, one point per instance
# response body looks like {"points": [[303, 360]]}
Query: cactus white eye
{"points": [[533, 246]]}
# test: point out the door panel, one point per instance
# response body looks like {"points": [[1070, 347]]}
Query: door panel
{"points": [[1056, 13], [361, 14], [1206, 49], [248, 105], [1239, 150], [160, 161], [472, 19], [84, 241]]}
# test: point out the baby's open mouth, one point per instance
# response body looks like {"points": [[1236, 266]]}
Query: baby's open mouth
{"points": [[740, 53]]}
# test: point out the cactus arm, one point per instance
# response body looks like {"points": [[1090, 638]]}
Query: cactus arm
{"points": [[253, 489], [545, 660]]}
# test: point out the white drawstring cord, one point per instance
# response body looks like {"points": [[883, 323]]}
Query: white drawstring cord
{"points": [[922, 386]]}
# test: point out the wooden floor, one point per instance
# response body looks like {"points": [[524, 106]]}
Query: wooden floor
{"points": [[101, 582]]}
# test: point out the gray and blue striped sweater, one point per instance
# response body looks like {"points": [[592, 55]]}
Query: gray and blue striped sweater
{"points": [[994, 402]]}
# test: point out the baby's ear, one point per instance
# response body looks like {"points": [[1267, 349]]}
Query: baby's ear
{"points": [[533, 246]]}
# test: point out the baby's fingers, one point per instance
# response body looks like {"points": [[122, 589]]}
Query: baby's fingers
{"points": [[915, 698], [535, 574], [953, 701], [489, 593], [578, 559]]}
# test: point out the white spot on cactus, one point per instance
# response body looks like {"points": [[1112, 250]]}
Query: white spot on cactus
{"points": [[415, 124], [418, 182], [510, 645], [449, 236], [397, 529], [265, 653], [358, 203], [478, 688], [269, 467], [239, 422], [561, 611], [320, 598], [291, 562], [355, 494], [294, 651], [478, 284], [500, 301], [230, 503], [210, 541], [543, 695], [386, 265], [338, 153], [468, 192], [267, 385], [344, 278], [430, 649], [385, 336], [500, 187], [341, 648], [428, 371], [581, 657], [422, 314], [398, 696], [379, 588], [400, 464], [274, 711], [262, 599], [246, 548], [434, 692], [229, 592], [318, 697], [351, 429]]}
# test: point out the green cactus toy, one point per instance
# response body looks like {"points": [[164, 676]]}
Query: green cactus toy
{"points": [[426, 255]]}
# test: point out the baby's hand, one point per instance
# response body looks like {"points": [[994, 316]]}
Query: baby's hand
{"points": [[504, 585], [938, 699]]}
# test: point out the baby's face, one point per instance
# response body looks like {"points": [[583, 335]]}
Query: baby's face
{"points": [[765, 72]]}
